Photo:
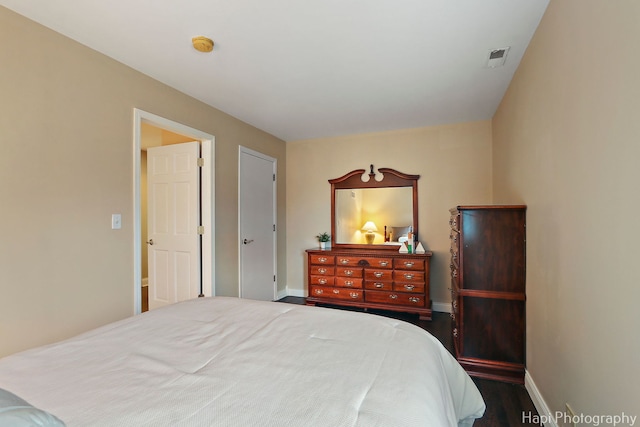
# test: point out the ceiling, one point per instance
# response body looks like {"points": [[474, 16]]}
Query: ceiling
{"points": [[302, 69]]}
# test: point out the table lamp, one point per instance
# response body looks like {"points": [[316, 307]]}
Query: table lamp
{"points": [[369, 227]]}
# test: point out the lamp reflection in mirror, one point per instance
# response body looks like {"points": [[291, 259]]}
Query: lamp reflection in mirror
{"points": [[369, 227]]}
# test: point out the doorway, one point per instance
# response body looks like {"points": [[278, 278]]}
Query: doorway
{"points": [[257, 225], [143, 121]]}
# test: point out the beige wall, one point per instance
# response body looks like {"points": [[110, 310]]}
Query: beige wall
{"points": [[566, 143], [66, 155], [454, 164]]}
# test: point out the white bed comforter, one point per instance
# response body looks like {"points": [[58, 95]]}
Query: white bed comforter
{"points": [[231, 362]]}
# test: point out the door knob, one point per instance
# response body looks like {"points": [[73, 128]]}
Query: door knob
{"points": [[150, 242], [246, 242]]}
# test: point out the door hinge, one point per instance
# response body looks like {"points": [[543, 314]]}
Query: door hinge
{"points": [[274, 177], [274, 227], [201, 230], [200, 162], [274, 277]]}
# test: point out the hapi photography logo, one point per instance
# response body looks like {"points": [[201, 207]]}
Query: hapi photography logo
{"points": [[563, 418]]}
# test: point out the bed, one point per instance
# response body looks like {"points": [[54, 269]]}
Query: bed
{"points": [[231, 362]]}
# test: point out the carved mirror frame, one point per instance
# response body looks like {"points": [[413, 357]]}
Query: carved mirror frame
{"points": [[353, 180]]}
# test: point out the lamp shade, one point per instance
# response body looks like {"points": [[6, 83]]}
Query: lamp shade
{"points": [[369, 227]]}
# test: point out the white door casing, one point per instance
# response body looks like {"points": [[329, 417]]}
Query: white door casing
{"points": [[173, 220], [257, 222], [207, 199]]}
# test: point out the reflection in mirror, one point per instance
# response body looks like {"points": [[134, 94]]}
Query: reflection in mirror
{"points": [[362, 206], [384, 207]]}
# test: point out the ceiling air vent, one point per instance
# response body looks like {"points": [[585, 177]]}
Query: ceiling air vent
{"points": [[497, 57]]}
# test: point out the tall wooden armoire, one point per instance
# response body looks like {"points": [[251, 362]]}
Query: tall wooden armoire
{"points": [[488, 290]]}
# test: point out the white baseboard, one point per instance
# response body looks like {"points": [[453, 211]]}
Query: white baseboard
{"points": [[538, 401], [288, 292], [442, 307]]}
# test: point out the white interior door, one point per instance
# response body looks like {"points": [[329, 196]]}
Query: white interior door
{"points": [[173, 220], [257, 224]]}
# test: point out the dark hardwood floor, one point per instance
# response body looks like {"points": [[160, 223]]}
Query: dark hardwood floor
{"points": [[505, 402]]}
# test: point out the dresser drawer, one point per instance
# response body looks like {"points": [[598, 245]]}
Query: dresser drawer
{"points": [[322, 259], [348, 282], [378, 274], [409, 287], [395, 298], [321, 270], [408, 264], [348, 261], [336, 293], [379, 285], [378, 262], [348, 272], [408, 276], [322, 280]]}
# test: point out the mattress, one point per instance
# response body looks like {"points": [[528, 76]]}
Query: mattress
{"points": [[232, 362]]}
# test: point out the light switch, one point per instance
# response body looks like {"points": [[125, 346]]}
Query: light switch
{"points": [[116, 221]]}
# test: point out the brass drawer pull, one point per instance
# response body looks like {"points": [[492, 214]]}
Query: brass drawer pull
{"points": [[322, 270], [318, 291], [348, 272], [384, 263], [336, 291], [409, 264], [348, 283], [354, 295], [322, 281], [322, 259], [408, 276], [378, 274], [414, 299], [393, 296], [344, 261], [409, 287], [378, 285]]}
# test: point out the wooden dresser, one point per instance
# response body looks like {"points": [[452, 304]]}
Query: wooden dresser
{"points": [[370, 278], [488, 290]]}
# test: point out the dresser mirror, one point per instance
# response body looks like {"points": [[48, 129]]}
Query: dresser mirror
{"points": [[373, 210]]}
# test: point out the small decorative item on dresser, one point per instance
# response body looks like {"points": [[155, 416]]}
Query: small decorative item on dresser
{"points": [[369, 236], [325, 240]]}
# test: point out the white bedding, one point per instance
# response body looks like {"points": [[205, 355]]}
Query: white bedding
{"points": [[230, 362]]}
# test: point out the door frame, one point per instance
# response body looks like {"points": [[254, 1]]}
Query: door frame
{"points": [[207, 188], [274, 162]]}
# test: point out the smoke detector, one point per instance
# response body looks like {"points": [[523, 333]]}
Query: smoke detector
{"points": [[202, 44], [497, 57]]}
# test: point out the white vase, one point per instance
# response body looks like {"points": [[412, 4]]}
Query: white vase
{"points": [[325, 245]]}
